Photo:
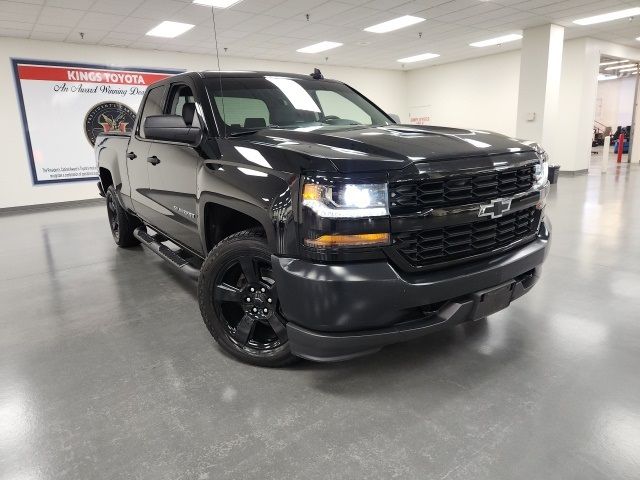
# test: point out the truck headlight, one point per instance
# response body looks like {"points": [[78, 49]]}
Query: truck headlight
{"points": [[541, 171], [349, 200], [339, 215]]}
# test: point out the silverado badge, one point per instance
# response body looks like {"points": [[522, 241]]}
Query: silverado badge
{"points": [[496, 208]]}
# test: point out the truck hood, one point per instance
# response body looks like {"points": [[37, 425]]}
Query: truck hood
{"points": [[366, 149]]}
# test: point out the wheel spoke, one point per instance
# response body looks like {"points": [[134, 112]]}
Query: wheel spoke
{"points": [[278, 327], [249, 269], [244, 329], [227, 293], [111, 206]]}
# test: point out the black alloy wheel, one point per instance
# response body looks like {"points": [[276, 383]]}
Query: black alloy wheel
{"points": [[112, 212], [245, 298], [239, 301], [121, 223]]}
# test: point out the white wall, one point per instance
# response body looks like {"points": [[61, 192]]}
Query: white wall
{"points": [[614, 101], [384, 87], [479, 93]]}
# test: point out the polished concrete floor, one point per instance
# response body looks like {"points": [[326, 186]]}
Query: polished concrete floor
{"points": [[106, 370]]}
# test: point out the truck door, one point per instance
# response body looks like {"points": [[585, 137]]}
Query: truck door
{"points": [[172, 174], [137, 153]]}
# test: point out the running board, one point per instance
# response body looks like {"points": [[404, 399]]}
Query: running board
{"points": [[166, 253]]}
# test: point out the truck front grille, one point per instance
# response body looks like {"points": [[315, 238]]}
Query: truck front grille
{"points": [[428, 247], [413, 195]]}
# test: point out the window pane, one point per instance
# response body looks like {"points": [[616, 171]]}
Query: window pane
{"points": [[180, 96], [335, 105], [250, 103], [152, 106], [236, 110]]}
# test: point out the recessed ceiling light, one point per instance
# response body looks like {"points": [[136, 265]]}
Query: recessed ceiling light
{"points": [[497, 41], [217, 3], [395, 24], [608, 17], [418, 58], [319, 47], [614, 63], [169, 29]]}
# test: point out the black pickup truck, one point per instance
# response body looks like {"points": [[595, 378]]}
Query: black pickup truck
{"points": [[317, 226]]}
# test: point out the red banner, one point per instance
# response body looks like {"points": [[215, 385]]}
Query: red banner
{"points": [[86, 75]]}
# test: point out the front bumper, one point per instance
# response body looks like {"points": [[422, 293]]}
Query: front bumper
{"points": [[336, 312]]}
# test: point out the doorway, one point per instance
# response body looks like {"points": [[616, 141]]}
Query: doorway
{"points": [[614, 112]]}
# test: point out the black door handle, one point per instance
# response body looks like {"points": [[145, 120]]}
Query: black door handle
{"points": [[131, 156], [153, 160]]}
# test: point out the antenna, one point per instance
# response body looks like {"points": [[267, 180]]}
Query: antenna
{"points": [[215, 36]]}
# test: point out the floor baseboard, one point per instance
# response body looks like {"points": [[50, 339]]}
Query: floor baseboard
{"points": [[51, 206]]}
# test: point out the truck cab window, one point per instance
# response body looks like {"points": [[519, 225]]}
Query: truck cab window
{"points": [[152, 106], [243, 112], [340, 109], [181, 102]]}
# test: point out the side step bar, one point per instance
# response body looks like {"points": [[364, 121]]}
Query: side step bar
{"points": [[166, 253]]}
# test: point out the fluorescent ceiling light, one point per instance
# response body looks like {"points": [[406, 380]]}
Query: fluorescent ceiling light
{"points": [[633, 69], [395, 24], [319, 47], [497, 41], [603, 64], [418, 58], [216, 3], [169, 29], [616, 67], [608, 17], [602, 77]]}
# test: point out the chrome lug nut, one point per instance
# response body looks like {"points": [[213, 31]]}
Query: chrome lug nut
{"points": [[266, 310], [262, 290], [255, 309], [248, 299], [252, 289], [269, 300]]}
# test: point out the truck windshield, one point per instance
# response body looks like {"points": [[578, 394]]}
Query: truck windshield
{"points": [[249, 104]]}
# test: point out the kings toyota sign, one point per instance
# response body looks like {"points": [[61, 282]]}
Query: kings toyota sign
{"points": [[64, 106]]}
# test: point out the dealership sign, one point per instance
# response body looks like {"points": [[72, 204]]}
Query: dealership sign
{"points": [[65, 106]]}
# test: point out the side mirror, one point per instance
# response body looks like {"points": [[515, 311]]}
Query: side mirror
{"points": [[395, 117], [170, 128]]}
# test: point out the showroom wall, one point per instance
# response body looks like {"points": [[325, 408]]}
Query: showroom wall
{"points": [[385, 87], [614, 103], [478, 93]]}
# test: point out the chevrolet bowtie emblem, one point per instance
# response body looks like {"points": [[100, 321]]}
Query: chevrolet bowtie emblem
{"points": [[496, 208]]}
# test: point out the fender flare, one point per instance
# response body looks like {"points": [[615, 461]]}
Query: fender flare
{"points": [[108, 159], [259, 214]]}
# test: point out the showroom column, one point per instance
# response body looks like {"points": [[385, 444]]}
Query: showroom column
{"points": [[577, 106], [540, 67], [634, 148]]}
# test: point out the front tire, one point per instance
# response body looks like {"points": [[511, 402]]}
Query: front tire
{"points": [[121, 223], [239, 301]]}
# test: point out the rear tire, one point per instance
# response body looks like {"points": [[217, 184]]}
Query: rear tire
{"points": [[121, 223], [239, 303]]}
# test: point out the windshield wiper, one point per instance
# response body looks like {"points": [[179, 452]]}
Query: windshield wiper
{"points": [[244, 132], [241, 133]]}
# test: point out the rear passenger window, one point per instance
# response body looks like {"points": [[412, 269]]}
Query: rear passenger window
{"points": [[236, 110], [152, 106]]}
